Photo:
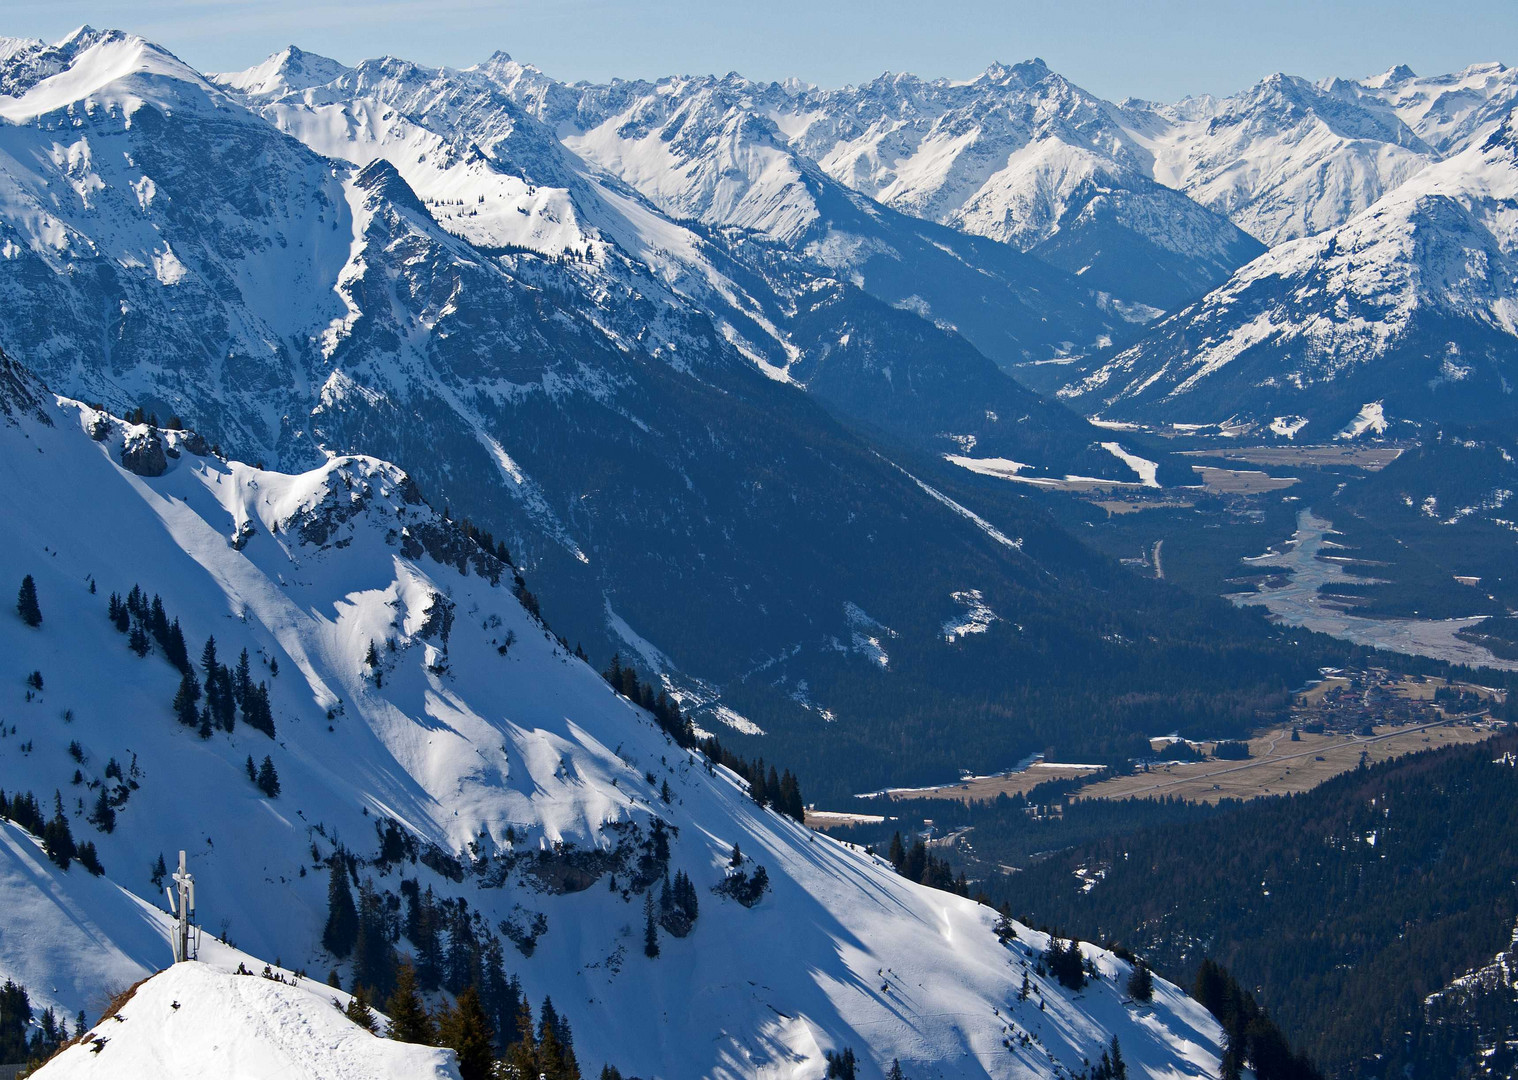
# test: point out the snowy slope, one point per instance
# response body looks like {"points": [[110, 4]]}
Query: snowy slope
{"points": [[194, 1020], [1018, 155], [1411, 305], [506, 158], [456, 743], [1449, 112], [1286, 158], [614, 394]]}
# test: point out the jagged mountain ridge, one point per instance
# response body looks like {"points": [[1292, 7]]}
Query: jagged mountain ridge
{"points": [[585, 407], [708, 168], [765, 157], [518, 775], [1407, 309]]}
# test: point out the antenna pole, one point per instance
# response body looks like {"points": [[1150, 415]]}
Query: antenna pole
{"points": [[184, 884]]}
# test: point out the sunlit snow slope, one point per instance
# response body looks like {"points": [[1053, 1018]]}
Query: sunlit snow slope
{"points": [[524, 765]]}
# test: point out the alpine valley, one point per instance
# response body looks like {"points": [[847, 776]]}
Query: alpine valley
{"points": [[493, 525]]}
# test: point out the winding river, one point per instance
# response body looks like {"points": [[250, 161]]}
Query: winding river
{"points": [[1298, 603]]}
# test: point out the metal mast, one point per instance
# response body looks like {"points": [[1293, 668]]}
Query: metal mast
{"points": [[184, 883]]}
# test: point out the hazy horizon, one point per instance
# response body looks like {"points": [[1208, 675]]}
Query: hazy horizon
{"points": [[1162, 51]]}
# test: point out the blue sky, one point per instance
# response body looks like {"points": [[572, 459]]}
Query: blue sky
{"points": [[1159, 49]]}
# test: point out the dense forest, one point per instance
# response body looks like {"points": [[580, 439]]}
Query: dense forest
{"points": [[1346, 906]]}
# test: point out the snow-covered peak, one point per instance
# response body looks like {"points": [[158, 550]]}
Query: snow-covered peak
{"points": [[290, 70], [1285, 158], [1023, 74], [194, 1020], [1397, 73], [97, 67], [1449, 112], [1411, 302], [10, 46]]}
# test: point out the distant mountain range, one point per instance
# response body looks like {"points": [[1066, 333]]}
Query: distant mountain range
{"points": [[718, 448]]}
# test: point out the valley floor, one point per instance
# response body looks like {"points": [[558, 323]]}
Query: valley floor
{"points": [[1279, 766]]}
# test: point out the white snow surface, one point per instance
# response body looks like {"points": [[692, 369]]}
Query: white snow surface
{"points": [[195, 1020], [1147, 470], [457, 745], [1371, 418], [1442, 243]]}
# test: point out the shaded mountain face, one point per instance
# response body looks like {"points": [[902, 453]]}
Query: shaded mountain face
{"points": [[693, 440], [722, 183], [424, 740], [1405, 312]]}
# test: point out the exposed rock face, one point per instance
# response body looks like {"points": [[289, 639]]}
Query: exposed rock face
{"points": [[143, 453], [21, 392]]}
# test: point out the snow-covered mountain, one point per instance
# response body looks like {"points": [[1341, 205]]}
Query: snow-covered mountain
{"points": [[206, 1019], [640, 410], [1021, 155], [1405, 312], [712, 174], [1285, 159], [1018, 155], [437, 740]]}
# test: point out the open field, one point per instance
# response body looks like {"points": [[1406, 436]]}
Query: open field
{"points": [[1133, 506], [1240, 481], [1279, 766], [1372, 458], [836, 819], [985, 788]]}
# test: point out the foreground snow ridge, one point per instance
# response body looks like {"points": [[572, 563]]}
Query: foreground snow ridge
{"points": [[193, 1021]]}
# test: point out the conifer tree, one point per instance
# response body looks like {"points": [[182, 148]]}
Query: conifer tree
{"points": [[842, 1066], [409, 1020], [358, 1010], [89, 858], [374, 959], [1141, 983], [268, 779], [158, 620], [242, 680], [522, 1061], [466, 1030], [57, 837], [26, 602], [341, 931], [174, 648], [650, 932], [186, 699], [550, 1051], [15, 1018], [103, 817], [895, 1073]]}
